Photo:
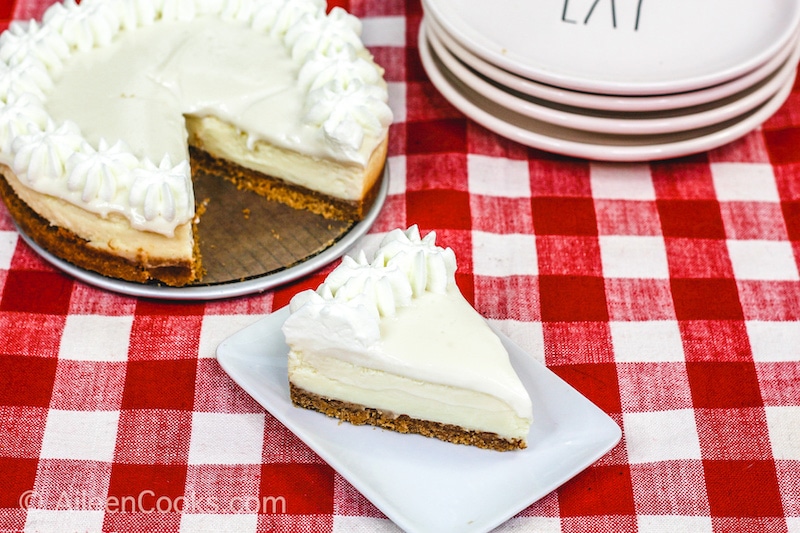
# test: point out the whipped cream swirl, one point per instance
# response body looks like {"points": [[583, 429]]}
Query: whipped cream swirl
{"points": [[345, 99], [403, 268]]}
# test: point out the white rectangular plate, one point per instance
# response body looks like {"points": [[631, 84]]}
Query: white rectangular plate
{"points": [[420, 483]]}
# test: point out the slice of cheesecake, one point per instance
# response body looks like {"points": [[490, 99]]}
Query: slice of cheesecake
{"points": [[393, 343]]}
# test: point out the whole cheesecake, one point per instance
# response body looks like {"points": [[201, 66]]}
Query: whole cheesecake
{"points": [[107, 106], [393, 343]]}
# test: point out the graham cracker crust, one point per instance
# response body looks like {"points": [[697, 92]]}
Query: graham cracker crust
{"points": [[360, 415], [67, 245]]}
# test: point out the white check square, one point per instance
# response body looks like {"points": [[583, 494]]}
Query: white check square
{"points": [[783, 423], [674, 524], [96, 338], [81, 435], [383, 31], [397, 103], [498, 176], [661, 436], [651, 341], [209, 523], [754, 182], [634, 256], [622, 182], [64, 520], [8, 243], [226, 438], [763, 260], [397, 173], [774, 341], [504, 255]]}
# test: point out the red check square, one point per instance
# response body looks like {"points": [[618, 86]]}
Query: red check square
{"points": [[692, 219], [439, 209], [791, 216], [26, 381], [305, 488], [19, 475], [437, 136], [564, 216], [573, 299], [706, 299], [36, 291], [160, 384], [782, 145], [598, 490], [725, 385], [145, 497], [742, 488]]}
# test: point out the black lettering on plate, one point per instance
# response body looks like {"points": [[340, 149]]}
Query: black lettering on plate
{"points": [[568, 18]]}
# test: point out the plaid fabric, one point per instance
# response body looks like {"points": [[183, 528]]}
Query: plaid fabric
{"points": [[667, 293]]}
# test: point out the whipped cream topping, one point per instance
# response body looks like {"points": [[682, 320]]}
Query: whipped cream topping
{"points": [[352, 317], [331, 99]]}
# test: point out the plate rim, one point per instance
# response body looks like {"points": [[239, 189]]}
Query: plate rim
{"points": [[254, 335], [551, 76], [616, 125], [609, 102], [229, 289], [587, 150]]}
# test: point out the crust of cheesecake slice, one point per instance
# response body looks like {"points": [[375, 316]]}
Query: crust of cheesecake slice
{"points": [[361, 415], [67, 245]]}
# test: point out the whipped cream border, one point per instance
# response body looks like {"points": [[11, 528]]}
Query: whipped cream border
{"points": [[56, 159]]}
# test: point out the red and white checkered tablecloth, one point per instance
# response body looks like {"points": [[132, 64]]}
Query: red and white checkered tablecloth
{"points": [[668, 293]]}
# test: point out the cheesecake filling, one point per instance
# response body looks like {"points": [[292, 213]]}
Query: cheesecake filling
{"points": [[95, 100], [397, 335]]}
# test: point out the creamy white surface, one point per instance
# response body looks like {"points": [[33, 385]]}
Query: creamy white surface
{"points": [[282, 72], [401, 323]]}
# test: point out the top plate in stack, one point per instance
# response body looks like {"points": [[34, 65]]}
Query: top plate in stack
{"points": [[614, 79]]}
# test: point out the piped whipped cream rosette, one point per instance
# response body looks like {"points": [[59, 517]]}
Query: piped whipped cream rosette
{"points": [[342, 94]]}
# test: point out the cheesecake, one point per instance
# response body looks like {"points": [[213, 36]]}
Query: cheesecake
{"points": [[107, 107], [392, 342]]}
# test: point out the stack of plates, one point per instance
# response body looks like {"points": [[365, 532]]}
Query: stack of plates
{"points": [[614, 80]]}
